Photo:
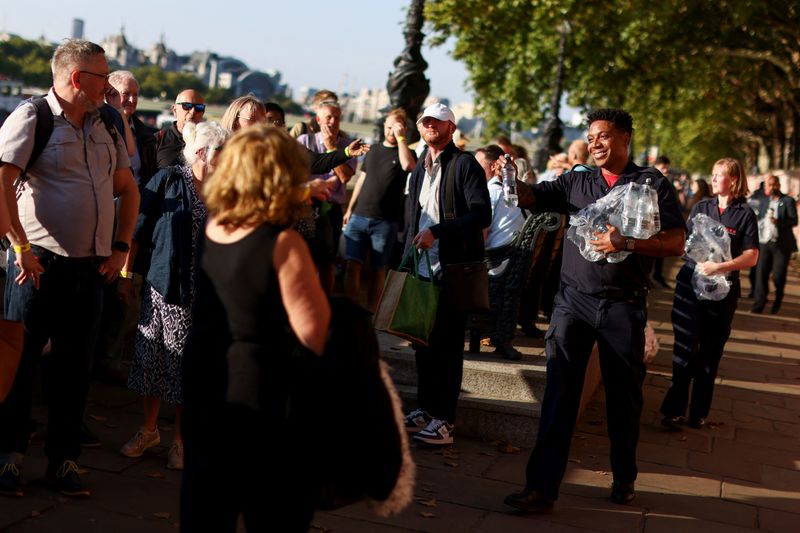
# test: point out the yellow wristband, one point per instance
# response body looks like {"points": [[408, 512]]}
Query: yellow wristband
{"points": [[125, 274], [306, 193], [331, 150], [400, 138], [347, 151], [22, 248]]}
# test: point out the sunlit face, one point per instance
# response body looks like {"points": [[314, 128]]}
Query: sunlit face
{"points": [[663, 168], [388, 132], [330, 116], [437, 133], [608, 145], [250, 116], [721, 181], [182, 116], [92, 82], [128, 96]]}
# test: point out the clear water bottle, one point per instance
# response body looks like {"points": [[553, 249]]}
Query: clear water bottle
{"points": [[629, 206], [644, 216], [654, 204], [509, 172]]}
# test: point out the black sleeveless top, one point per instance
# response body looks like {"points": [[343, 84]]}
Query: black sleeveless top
{"points": [[240, 348]]}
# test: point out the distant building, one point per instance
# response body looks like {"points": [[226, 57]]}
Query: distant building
{"points": [[365, 106], [77, 28], [212, 69]]}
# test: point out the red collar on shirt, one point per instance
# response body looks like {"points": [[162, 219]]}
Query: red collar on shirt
{"points": [[610, 178]]}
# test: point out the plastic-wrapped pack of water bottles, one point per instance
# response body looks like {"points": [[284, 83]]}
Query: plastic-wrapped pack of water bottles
{"points": [[709, 241], [633, 209]]}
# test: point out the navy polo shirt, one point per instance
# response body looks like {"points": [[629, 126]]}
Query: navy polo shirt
{"points": [[739, 220], [573, 191]]}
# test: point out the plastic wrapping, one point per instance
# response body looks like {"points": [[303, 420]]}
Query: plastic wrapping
{"points": [[633, 209], [709, 241], [509, 172]]}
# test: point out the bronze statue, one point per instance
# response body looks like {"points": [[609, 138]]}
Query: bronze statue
{"points": [[407, 86]]}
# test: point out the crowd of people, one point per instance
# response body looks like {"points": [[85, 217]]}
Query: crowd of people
{"points": [[205, 254]]}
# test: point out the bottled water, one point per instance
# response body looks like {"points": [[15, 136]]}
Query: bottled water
{"points": [[629, 208], [644, 216], [509, 173], [654, 209]]}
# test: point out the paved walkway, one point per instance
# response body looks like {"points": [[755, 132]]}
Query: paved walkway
{"points": [[741, 473]]}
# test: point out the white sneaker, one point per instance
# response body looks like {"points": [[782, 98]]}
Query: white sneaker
{"points": [[140, 442], [175, 457], [437, 433], [417, 420]]}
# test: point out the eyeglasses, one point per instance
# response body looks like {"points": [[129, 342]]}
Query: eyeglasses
{"points": [[187, 106], [104, 76]]}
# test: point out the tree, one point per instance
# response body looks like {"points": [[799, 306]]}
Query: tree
{"points": [[702, 79], [25, 60]]}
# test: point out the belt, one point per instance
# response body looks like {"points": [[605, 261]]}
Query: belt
{"points": [[620, 294], [90, 260]]}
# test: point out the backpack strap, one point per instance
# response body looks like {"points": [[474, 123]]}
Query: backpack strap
{"points": [[42, 132], [449, 188], [113, 122]]}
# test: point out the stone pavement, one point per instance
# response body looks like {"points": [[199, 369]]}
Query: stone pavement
{"points": [[740, 473]]}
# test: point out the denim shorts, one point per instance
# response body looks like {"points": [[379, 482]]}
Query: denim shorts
{"points": [[375, 235]]}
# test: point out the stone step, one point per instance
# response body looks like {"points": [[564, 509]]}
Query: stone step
{"points": [[485, 375], [487, 419]]}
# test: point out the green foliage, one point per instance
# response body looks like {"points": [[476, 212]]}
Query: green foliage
{"points": [[25, 60], [702, 79], [157, 83]]}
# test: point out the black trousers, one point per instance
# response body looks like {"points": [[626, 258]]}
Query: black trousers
{"points": [[66, 310], [701, 328], [440, 365], [239, 461], [772, 259], [617, 326]]}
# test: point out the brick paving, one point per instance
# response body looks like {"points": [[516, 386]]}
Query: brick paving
{"points": [[741, 473]]}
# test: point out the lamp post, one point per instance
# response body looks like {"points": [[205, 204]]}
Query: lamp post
{"points": [[407, 86], [551, 136]]}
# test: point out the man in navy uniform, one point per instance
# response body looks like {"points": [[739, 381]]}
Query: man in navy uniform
{"points": [[599, 302]]}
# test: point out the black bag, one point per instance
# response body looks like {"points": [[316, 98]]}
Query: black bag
{"points": [[467, 284], [350, 373]]}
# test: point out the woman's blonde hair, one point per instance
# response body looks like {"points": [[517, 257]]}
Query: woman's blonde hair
{"points": [[259, 179], [735, 170], [248, 103]]}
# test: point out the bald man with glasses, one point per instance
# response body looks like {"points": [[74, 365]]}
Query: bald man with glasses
{"points": [[189, 106]]}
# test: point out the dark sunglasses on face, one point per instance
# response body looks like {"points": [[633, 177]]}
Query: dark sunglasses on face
{"points": [[187, 106]]}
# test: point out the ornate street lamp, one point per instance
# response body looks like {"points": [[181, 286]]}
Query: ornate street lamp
{"points": [[551, 136], [407, 86]]}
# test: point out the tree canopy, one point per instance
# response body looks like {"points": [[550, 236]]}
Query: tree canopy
{"points": [[702, 79]]}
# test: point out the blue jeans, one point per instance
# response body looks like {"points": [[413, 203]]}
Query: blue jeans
{"points": [[65, 310], [369, 235]]}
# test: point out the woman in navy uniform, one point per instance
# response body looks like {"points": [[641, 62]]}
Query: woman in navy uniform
{"points": [[702, 327]]}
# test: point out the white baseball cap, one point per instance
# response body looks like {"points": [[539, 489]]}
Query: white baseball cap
{"points": [[438, 111]]}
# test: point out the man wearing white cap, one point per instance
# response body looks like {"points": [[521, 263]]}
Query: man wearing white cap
{"points": [[456, 240]]}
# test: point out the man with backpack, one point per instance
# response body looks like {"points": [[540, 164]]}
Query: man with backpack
{"points": [[63, 249]]}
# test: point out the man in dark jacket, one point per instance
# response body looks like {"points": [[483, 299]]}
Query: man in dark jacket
{"points": [[440, 364], [777, 215], [189, 106], [599, 302]]}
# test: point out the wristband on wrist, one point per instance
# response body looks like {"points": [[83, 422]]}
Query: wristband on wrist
{"points": [[331, 150], [18, 249], [347, 151], [125, 274], [306, 193], [400, 138]]}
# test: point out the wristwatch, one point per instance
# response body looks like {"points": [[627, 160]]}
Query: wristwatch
{"points": [[121, 246], [630, 244]]}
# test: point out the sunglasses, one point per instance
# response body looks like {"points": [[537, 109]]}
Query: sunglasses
{"points": [[187, 106]]}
